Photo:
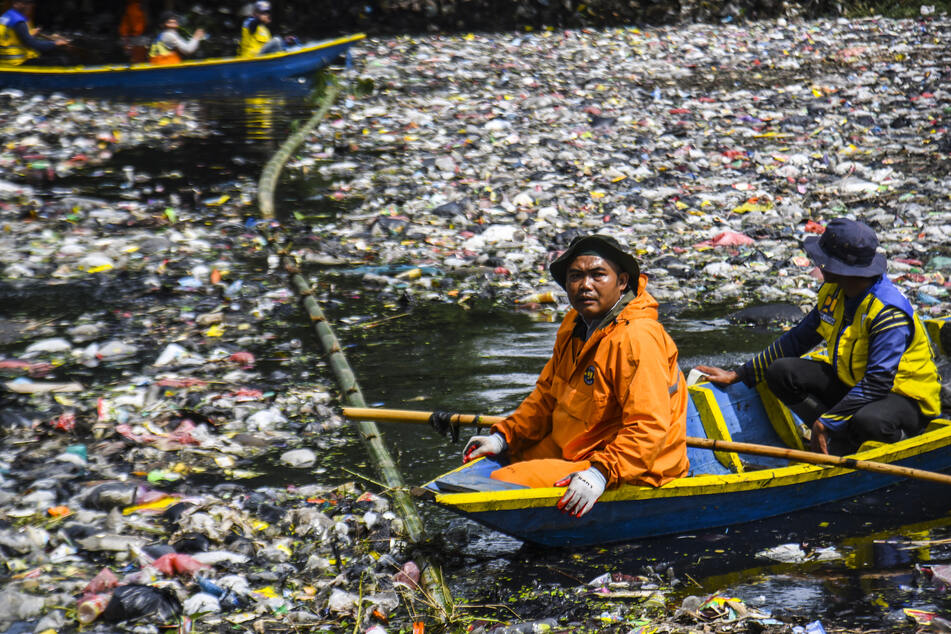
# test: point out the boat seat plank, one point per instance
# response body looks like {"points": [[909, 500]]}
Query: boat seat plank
{"points": [[868, 445], [702, 461], [936, 424], [714, 424], [783, 420], [736, 412]]}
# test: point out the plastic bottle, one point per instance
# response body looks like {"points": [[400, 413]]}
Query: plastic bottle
{"points": [[91, 606], [547, 297]]}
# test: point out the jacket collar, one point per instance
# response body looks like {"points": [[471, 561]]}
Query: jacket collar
{"points": [[581, 327]]}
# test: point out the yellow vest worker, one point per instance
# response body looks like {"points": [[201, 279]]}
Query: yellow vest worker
{"points": [[877, 379], [17, 44], [256, 38]]}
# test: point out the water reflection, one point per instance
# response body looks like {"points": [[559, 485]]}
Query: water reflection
{"points": [[259, 112]]}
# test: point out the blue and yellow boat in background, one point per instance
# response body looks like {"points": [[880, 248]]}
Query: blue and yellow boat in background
{"points": [[722, 488], [225, 75]]}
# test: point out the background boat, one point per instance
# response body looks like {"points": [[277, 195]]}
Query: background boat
{"points": [[224, 75]]}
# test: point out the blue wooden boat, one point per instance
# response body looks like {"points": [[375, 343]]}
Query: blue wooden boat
{"points": [[721, 489], [225, 75]]}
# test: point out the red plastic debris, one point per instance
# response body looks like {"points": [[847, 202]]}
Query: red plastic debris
{"points": [[103, 582], [177, 564], [186, 382], [727, 239], [245, 359], [64, 422]]}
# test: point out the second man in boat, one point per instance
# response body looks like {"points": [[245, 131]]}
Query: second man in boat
{"points": [[877, 379], [256, 38], [610, 405]]}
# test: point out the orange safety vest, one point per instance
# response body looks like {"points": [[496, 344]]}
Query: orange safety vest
{"points": [[618, 400], [162, 55]]}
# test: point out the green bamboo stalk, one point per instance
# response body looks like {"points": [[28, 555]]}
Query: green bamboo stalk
{"points": [[433, 583], [272, 171]]}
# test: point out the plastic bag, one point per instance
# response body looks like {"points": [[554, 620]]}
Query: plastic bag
{"points": [[136, 601]]}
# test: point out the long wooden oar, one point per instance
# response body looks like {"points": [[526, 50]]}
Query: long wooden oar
{"points": [[811, 457]]}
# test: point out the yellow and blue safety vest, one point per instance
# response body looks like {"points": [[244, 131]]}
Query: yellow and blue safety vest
{"points": [[847, 342], [254, 35], [905, 361], [13, 51]]}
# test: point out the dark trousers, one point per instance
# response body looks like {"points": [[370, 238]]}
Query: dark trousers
{"points": [[811, 388]]}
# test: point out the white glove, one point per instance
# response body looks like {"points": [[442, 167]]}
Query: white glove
{"points": [[584, 489], [490, 445]]}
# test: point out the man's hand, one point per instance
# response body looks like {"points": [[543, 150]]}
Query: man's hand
{"points": [[490, 445], [719, 375], [584, 489], [820, 438]]}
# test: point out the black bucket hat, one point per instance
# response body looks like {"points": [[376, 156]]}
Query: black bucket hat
{"points": [[604, 246], [847, 247]]}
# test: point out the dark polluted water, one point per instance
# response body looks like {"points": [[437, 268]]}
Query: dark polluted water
{"points": [[858, 569]]}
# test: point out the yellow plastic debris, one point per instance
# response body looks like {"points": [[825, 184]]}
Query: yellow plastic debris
{"points": [[156, 505]]}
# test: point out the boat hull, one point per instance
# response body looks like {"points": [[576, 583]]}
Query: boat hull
{"points": [[705, 506], [226, 75], [720, 497]]}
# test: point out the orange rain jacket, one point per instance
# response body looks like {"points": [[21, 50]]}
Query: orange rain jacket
{"points": [[618, 400]]}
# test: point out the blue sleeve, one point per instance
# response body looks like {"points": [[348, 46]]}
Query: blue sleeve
{"points": [[889, 336], [795, 342], [22, 30]]}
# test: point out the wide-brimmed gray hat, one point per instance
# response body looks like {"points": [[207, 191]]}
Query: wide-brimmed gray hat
{"points": [[603, 246], [847, 247]]}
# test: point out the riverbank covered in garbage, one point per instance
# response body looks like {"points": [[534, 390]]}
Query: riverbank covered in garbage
{"points": [[171, 448], [712, 150]]}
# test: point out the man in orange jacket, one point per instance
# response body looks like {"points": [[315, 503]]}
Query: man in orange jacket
{"points": [[610, 406]]}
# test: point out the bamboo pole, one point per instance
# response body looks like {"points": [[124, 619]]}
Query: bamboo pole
{"points": [[811, 457], [432, 580], [272, 171]]}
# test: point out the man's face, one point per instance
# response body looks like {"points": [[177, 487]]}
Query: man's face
{"points": [[850, 285], [264, 17], [594, 285]]}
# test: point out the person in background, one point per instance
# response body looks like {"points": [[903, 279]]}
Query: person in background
{"points": [[18, 43], [169, 46], [610, 406], [256, 37], [878, 380], [132, 28]]}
